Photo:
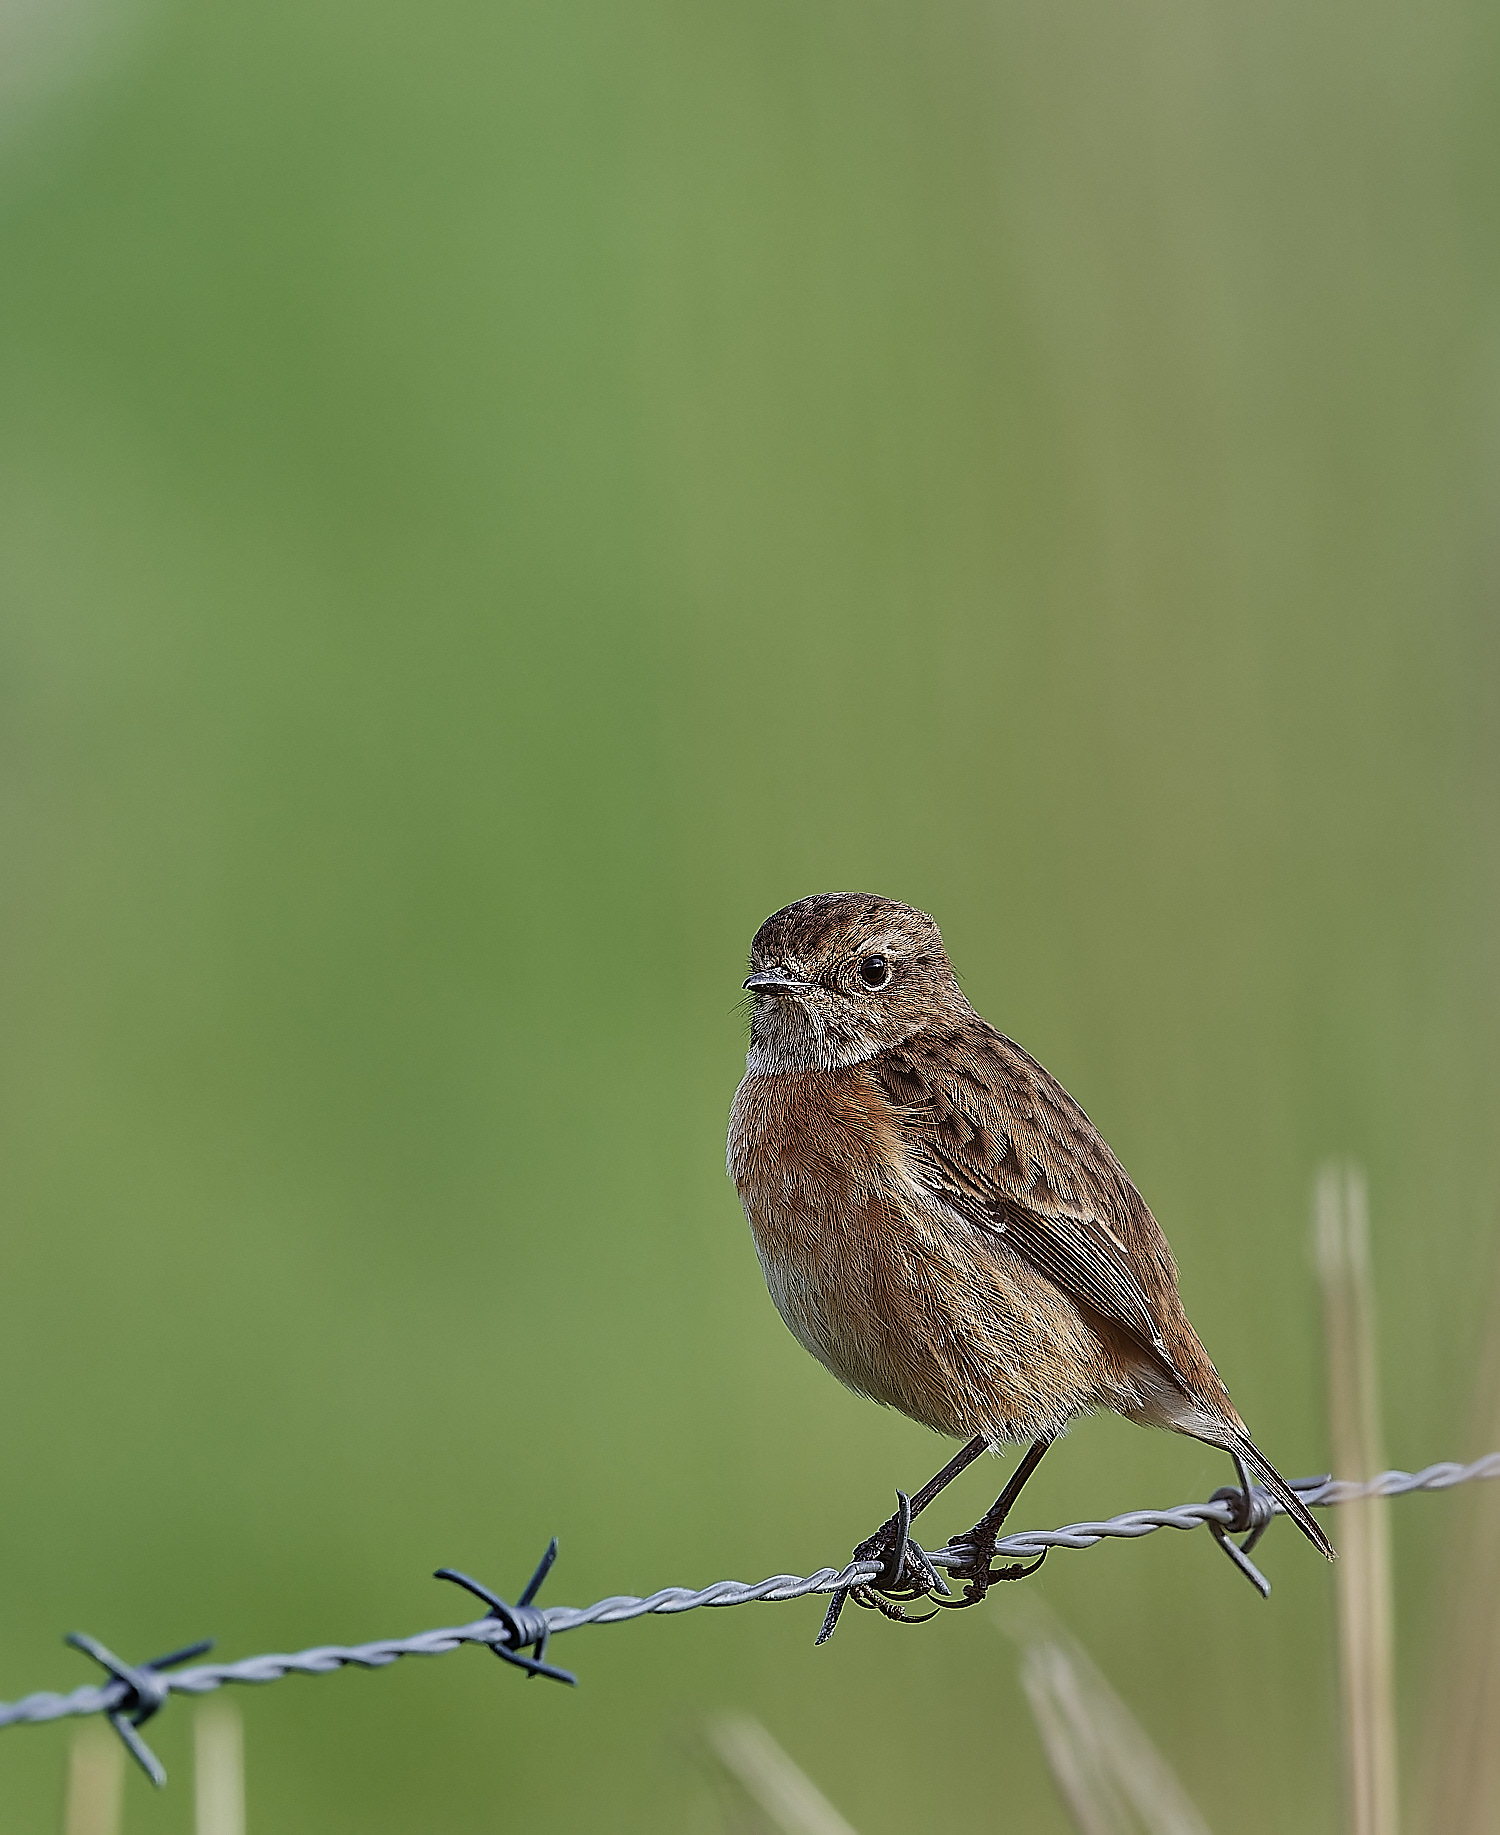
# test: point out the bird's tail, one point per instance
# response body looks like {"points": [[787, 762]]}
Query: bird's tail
{"points": [[1284, 1494]]}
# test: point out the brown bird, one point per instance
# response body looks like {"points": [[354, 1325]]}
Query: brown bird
{"points": [[941, 1225]]}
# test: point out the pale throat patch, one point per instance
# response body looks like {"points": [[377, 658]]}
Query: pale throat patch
{"points": [[804, 1049], [787, 1034]]}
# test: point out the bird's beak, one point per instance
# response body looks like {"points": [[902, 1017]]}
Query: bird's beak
{"points": [[772, 981]]}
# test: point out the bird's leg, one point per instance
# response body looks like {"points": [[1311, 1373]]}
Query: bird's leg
{"points": [[892, 1542], [905, 1570], [985, 1533]]}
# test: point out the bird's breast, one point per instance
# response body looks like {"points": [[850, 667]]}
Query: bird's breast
{"points": [[812, 1144], [903, 1302], [841, 1235], [816, 1159]]}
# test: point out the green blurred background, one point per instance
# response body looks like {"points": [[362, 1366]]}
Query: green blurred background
{"points": [[497, 499]]}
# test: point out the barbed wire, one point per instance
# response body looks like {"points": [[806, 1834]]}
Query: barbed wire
{"points": [[138, 1691]]}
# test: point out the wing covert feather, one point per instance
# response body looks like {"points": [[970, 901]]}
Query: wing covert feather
{"points": [[994, 1137]]}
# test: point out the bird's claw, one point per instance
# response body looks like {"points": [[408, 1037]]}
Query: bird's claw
{"points": [[878, 1602], [978, 1573], [906, 1574], [906, 1570]]}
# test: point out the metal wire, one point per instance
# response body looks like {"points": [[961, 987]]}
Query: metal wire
{"points": [[138, 1691]]}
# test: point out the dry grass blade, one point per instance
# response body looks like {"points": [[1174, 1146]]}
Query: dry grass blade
{"points": [[1113, 1780], [96, 1782], [1366, 1637], [219, 1769], [778, 1787], [1461, 1750]]}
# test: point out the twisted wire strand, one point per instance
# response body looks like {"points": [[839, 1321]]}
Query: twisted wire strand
{"points": [[323, 1659]]}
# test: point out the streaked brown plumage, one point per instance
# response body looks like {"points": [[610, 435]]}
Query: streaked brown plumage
{"points": [[939, 1222]]}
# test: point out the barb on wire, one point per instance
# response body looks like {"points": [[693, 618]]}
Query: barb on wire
{"points": [[142, 1690], [137, 1691], [526, 1626]]}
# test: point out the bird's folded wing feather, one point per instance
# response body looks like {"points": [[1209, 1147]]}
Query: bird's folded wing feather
{"points": [[990, 1135]]}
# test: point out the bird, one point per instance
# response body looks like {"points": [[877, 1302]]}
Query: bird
{"points": [[942, 1226]]}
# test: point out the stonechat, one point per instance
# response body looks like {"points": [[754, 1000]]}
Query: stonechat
{"points": [[942, 1226]]}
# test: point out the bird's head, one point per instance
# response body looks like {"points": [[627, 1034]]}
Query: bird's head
{"points": [[843, 975]]}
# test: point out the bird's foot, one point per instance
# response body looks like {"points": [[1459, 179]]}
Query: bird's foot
{"points": [[906, 1570], [906, 1574], [978, 1548]]}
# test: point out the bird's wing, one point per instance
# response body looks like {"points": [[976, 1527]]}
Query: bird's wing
{"points": [[992, 1136]]}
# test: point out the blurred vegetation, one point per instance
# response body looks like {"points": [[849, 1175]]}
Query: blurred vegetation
{"points": [[496, 500]]}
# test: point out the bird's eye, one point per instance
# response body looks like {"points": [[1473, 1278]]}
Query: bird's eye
{"points": [[874, 971]]}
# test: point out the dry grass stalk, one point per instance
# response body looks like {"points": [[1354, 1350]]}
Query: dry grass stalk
{"points": [[778, 1787], [1363, 1575], [1110, 1776], [1461, 1748], [96, 1781], [219, 1769]]}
